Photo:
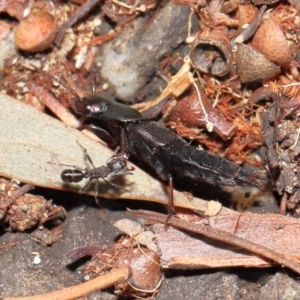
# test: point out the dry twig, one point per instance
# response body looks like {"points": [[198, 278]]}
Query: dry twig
{"points": [[79, 13], [80, 290]]}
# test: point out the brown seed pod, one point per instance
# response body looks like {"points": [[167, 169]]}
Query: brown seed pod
{"points": [[37, 32], [247, 13], [189, 113], [253, 66], [211, 53], [230, 6], [271, 42]]}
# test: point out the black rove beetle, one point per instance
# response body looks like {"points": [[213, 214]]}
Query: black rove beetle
{"points": [[164, 151]]}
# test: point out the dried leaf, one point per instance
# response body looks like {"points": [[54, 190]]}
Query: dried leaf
{"points": [[29, 139]]}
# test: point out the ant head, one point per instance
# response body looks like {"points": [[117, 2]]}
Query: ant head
{"points": [[93, 106]]}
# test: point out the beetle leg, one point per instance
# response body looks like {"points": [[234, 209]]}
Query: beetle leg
{"points": [[171, 201], [101, 133], [122, 141]]}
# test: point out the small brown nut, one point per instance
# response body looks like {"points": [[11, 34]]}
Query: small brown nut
{"points": [[37, 32], [211, 53], [253, 66], [271, 42], [247, 13]]}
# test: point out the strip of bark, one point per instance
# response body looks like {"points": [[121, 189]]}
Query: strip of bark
{"points": [[53, 104], [220, 235]]}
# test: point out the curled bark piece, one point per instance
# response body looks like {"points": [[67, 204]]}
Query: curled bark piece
{"points": [[272, 43], [253, 66], [211, 53], [262, 93]]}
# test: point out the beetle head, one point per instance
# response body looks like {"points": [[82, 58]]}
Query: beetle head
{"points": [[92, 107]]}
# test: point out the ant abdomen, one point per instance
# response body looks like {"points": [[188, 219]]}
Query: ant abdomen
{"points": [[70, 175]]}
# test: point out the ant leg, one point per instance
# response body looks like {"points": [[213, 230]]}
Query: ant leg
{"points": [[115, 185], [111, 184], [115, 156], [125, 171], [86, 186], [118, 156], [86, 155], [96, 192]]}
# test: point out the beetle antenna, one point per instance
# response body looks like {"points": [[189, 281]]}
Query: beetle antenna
{"points": [[93, 73], [68, 88]]}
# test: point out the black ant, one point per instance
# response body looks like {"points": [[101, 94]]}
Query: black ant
{"points": [[114, 166]]}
